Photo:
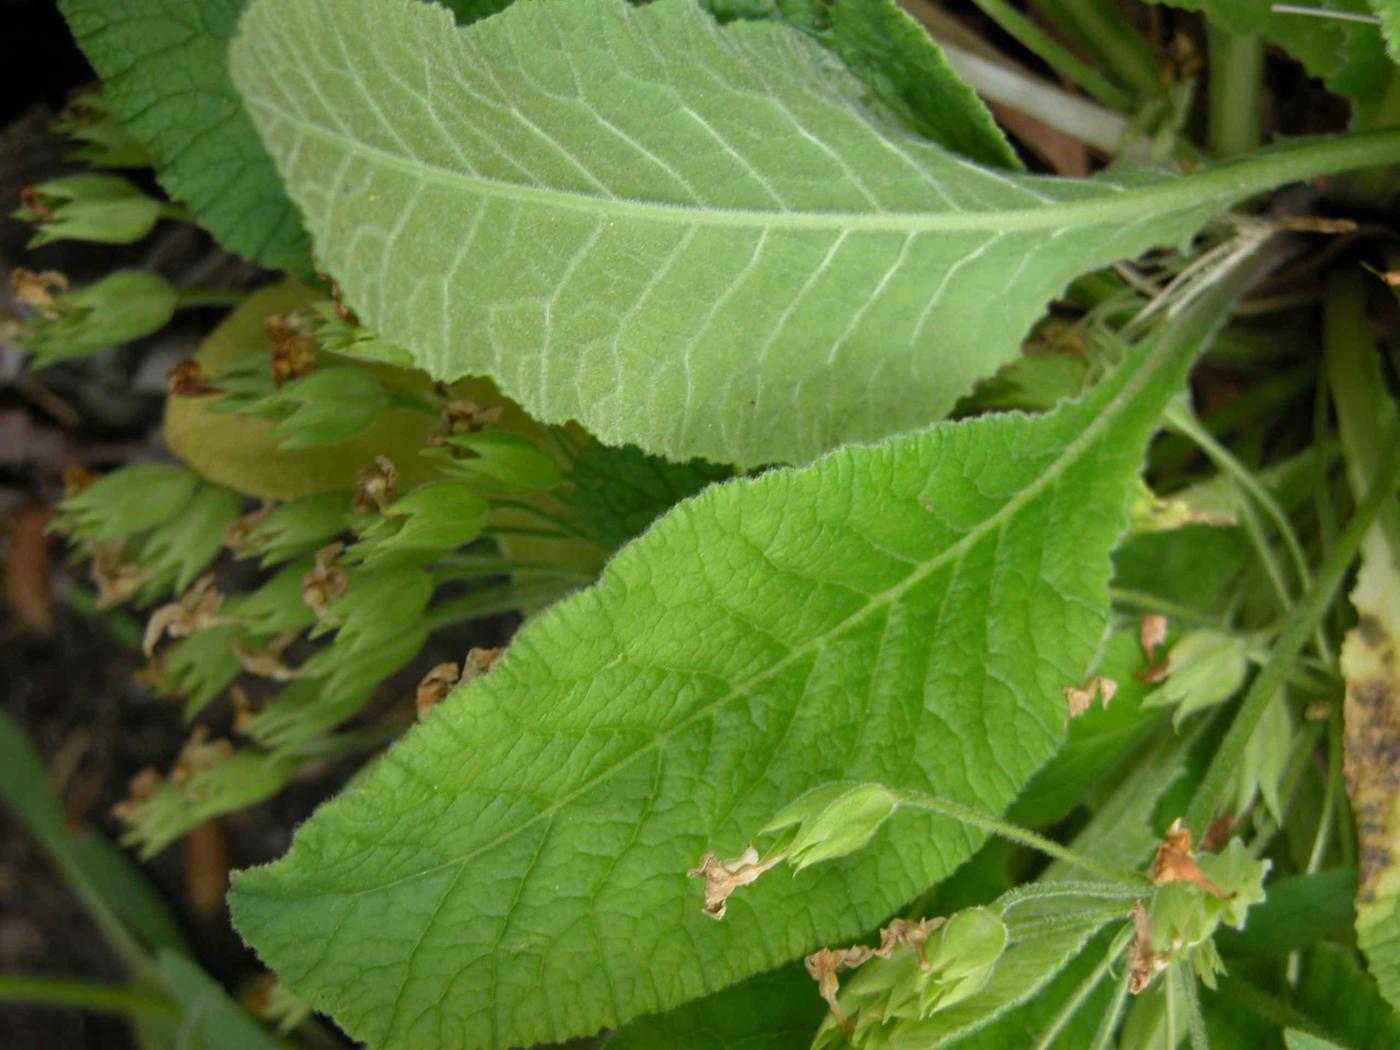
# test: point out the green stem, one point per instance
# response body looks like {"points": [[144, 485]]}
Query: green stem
{"points": [[403, 399], [1086, 988], [490, 602], [557, 521], [1039, 891], [1115, 43], [85, 995], [972, 818], [468, 566], [1301, 624], [1365, 412], [194, 297], [1180, 417], [1108, 1024], [1055, 55], [1195, 1020], [1235, 106], [1329, 797]]}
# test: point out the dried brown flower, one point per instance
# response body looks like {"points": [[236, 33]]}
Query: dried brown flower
{"points": [[325, 583], [376, 487], [723, 877]]}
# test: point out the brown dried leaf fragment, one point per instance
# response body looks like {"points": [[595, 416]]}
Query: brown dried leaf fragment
{"points": [[447, 676], [1143, 962], [197, 610], [139, 788], [376, 486], [245, 708], [824, 964], [464, 416], [187, 380], [435, 686], [198, 754], [266, 661], [28, 588], [723, 877], [1175, 862], [901, 933], [1152, 632], [38, 288], [75, 480], [293, 349], [116, 579], [325, 583], [1079, 699], [238, 532]]}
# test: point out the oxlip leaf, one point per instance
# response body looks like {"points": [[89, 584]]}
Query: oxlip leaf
{"points": [[513, 871], [689, 237]]}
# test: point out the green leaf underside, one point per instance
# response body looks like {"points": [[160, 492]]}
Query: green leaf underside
{"points": [[164, 70], [901, 65], [514, 870], [739, 261]]}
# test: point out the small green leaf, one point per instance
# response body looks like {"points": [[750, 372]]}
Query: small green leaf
{"points": [[327, 407], [127, 501], [1204, 668], [298, 527], [202, 666], [498, 461], [230, 782], [103, 208], [832, 821], [1347, 54], [180, 548], [379, 602], [122, 306], [432, 519]]}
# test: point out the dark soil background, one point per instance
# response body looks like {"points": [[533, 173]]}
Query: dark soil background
{"points": [[68, 675]]}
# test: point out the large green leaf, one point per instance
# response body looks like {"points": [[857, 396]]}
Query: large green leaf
{"points": [[693, 238], [896, 59], [514, 869], [164, 69]]}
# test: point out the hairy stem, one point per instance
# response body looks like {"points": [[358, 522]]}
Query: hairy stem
{"points": [[1235, 120], [992, 825]]}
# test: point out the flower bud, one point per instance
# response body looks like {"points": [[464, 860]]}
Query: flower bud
{"points": [[832, 821], [496, 460], [123, 306], [106, 209]]}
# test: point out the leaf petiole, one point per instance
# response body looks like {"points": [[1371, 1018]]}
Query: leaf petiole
{"points": [[992, 825]]}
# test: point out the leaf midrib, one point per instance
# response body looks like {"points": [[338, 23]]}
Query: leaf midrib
{"points": [[1159, 357], [1234, 178]]}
